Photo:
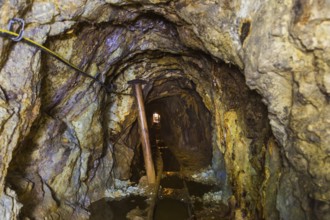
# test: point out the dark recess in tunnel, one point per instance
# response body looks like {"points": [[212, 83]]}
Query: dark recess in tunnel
{"points": [[185, 125]]}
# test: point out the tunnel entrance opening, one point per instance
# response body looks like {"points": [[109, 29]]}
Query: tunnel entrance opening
{"points": [[155, 119]]}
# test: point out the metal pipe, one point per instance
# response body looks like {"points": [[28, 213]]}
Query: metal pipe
{"points": [[144, 133]]}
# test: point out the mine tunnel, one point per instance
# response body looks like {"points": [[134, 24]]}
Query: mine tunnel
{"points": [[226, 133], [211, 139]]}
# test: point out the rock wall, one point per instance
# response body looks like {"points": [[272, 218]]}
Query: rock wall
{"points": [[51, 117]]}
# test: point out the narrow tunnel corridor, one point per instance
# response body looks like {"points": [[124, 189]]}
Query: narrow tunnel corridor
{"points": [[239, 89], [213, 130], [186, 123], [186, 140]]}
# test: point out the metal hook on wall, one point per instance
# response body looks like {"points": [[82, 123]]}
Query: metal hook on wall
{"points": [[21, 23]]}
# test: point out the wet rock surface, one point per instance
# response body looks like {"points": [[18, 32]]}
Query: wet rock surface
{"points": [[65, 139]]}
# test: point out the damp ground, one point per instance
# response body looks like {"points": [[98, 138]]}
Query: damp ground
{"points": [[185, 192]]}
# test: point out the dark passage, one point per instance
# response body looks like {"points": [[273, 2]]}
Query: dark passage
{"points": [[170, 162], [178, 197], [173, 196], [185, 129]]}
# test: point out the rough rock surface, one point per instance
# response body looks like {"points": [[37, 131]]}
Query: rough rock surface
{"points": [[9, 207], [59, 130]]}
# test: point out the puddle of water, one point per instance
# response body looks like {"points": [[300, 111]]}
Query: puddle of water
{"points": [[115, 209], [198, 189], [171, 209], [173, 181]]}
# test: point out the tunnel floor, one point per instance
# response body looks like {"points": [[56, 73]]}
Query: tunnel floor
{"points": [[179, 198]]}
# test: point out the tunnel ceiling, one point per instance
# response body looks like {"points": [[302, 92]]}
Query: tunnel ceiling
{"points": [[51, 116]]}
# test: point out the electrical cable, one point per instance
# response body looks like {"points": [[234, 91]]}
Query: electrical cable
{"points": [[19, 36]]}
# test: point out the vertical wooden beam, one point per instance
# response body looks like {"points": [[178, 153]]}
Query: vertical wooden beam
{"points": [[144, 132]]}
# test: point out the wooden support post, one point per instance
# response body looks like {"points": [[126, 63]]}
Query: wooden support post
{"points": [[144, 133]]}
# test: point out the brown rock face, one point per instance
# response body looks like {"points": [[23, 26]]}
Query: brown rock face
{"points": [[65, 138]]}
